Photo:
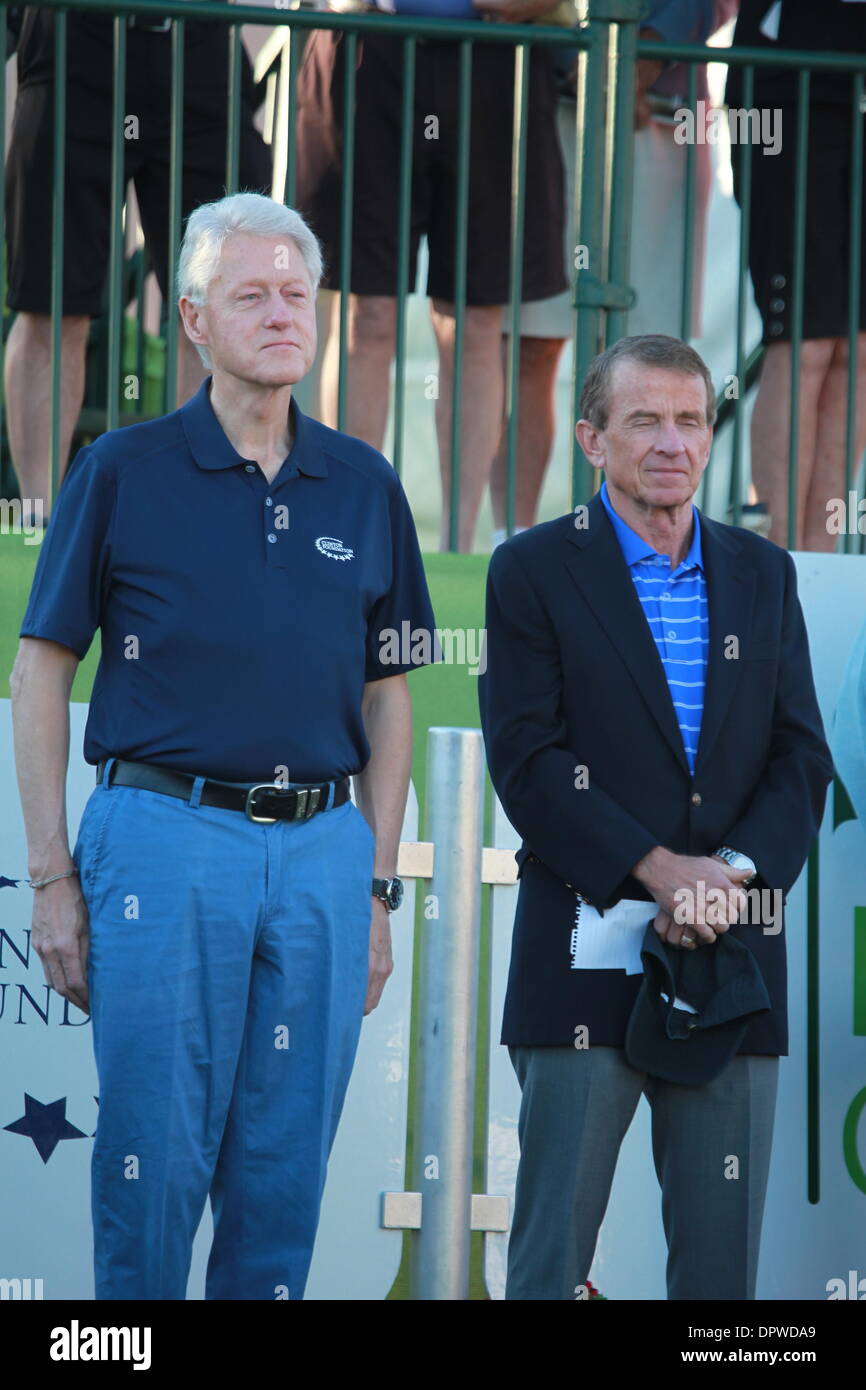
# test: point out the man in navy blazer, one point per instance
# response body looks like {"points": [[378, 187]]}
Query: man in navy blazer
{"points": [[653, 734]]}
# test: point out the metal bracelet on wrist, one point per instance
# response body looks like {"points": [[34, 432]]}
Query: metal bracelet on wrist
{"points": [[737, 860], [43, 882]]}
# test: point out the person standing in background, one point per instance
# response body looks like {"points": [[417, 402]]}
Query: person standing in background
{"points": [[87, 197], [372, 307], [834, 26], [656, 242]]}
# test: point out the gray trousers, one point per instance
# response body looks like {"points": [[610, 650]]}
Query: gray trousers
{"points": [[576, 1107]]}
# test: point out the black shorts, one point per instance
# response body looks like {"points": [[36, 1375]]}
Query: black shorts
{"points": [[434, 183], [826, 275], [30, 162]]}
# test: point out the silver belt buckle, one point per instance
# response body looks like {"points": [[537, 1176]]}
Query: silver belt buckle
{"points": [[307, 802], [248, 807]]}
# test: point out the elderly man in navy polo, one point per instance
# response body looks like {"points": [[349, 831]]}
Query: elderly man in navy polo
{"points": [[224, 914]]}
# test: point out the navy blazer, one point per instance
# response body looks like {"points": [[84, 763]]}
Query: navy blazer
{"points": [[573, 678]]}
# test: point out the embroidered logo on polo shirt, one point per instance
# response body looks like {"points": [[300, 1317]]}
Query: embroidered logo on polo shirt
{"points": [[334, 549]]}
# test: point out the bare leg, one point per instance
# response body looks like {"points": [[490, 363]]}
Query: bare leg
{"points": [[371, 326], [536, 429], [828, 469], [770, 424], [28, 398], [481, 408]]}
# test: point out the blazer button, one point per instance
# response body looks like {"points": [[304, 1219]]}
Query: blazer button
{"points": [[696, 798]]}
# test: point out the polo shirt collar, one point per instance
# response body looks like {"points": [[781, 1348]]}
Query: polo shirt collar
{"points": [[211, 448], [635, 548]]}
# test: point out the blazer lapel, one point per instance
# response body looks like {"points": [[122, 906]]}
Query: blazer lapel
{"points": [[730, 607], [595, 563]]}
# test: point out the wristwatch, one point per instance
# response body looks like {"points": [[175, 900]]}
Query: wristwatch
{"points": [[737, 861], [389, 891]]}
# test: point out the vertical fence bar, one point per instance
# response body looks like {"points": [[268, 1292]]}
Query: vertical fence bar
{"points": [[689, 218], [813, 1030], [116, 242], [407, 138], [579, 466], [591, 118], [606, 184], [686, 306], [233, 126], [745, 156], [57, 242], [522, 66], [855, 271], [175, 192], [622, 176], [294, 47], [797, 311], [461, 231], [348, 178], [140, 352], [447, 1013]]}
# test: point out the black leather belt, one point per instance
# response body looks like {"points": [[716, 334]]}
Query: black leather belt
{"points": [[264, 802]]}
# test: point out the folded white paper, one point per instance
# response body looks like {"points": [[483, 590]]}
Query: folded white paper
{"points": [[611, 942]]}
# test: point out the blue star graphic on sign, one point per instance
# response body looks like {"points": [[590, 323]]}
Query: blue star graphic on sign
{"points": [[46, 1125], [9, 882]]}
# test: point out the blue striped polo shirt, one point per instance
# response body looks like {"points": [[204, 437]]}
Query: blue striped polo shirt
{"points": [[675, 606]]}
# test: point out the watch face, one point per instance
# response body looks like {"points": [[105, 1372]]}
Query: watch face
{"points": [[395, 894], [741, 861]]}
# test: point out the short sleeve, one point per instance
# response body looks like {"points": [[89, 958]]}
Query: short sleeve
{"points": [[401, 626], [72, 572]]}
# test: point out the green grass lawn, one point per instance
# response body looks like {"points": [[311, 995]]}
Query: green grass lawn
{"points": [[17, 563]]}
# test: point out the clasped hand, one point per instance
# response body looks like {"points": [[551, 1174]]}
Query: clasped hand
{"points": [[698, 897]]}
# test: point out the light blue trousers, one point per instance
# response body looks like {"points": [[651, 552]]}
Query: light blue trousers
{"points": [[227, 974]]}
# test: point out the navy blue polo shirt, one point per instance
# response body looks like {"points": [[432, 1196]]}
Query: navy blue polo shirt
{"points": [[240, 619]]}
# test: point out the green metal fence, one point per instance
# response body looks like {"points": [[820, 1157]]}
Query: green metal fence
{"points": [[609, 47]]}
